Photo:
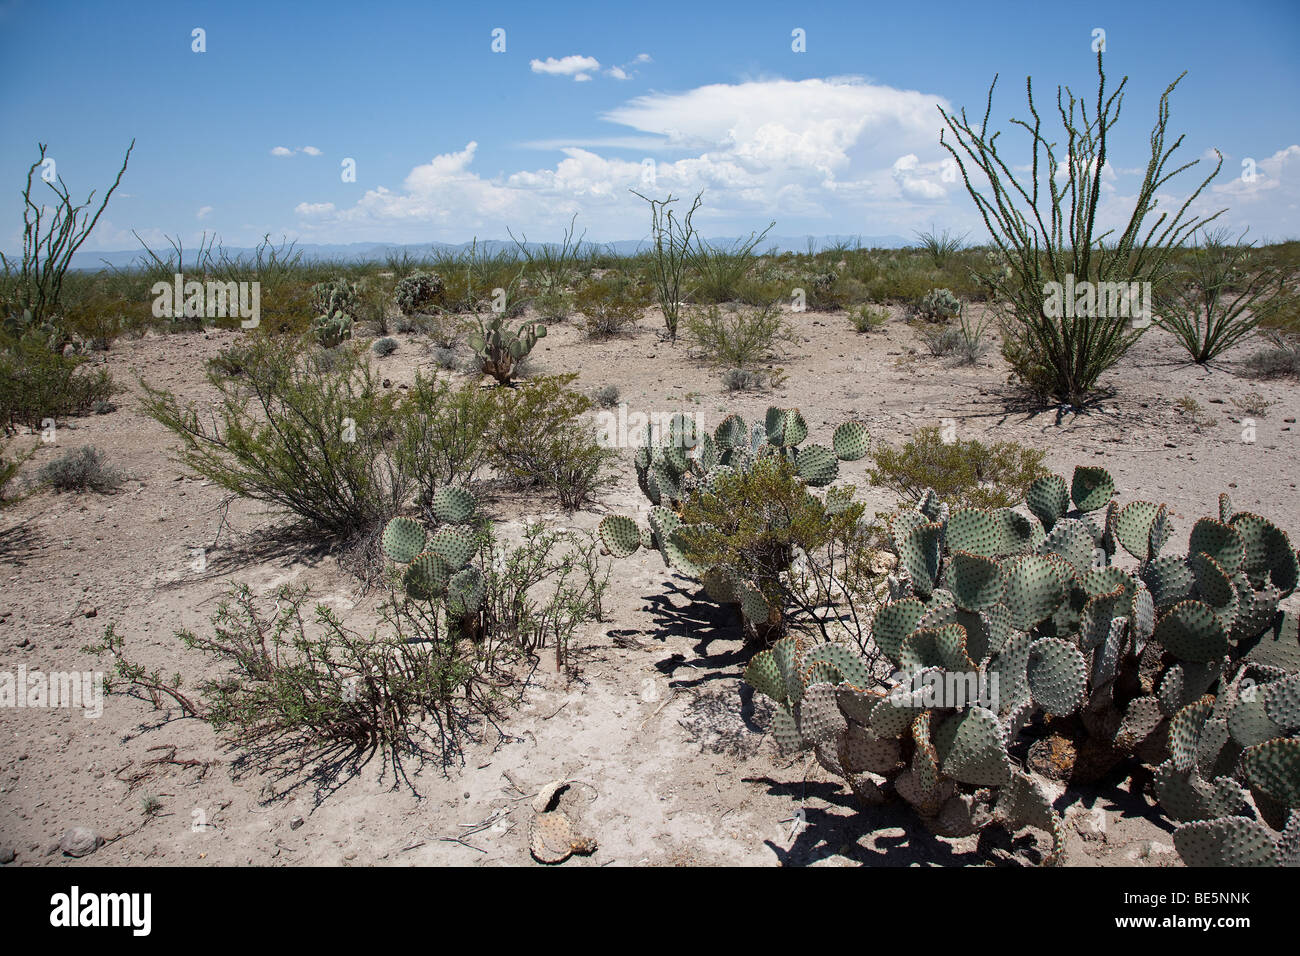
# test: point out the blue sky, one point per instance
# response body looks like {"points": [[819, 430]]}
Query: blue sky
{"points": [[453, 140]]}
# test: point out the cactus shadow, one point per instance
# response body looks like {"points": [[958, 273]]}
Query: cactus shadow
{"points": [[836, 827], [18, 544], [678, 613]]}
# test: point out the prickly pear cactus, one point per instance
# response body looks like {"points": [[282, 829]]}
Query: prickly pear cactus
{"points": [[338, 295], [500, 348], [331, 330], [418, 292], [437, 566], [687, 460]]}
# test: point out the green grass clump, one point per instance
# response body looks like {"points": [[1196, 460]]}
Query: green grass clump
{"points": [[967, 474]]}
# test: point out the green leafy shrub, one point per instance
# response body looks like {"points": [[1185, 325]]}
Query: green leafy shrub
{"points": [[442, 433], [610, 305], [310, 431], [737, 337], [83, 469], [869, 318], [37, 383], [966, 473], [540, 441]]}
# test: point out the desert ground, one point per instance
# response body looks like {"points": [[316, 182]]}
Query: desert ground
{"points": [[666, 749]]}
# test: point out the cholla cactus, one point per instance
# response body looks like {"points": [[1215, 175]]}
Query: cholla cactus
{"points": [[500, 348], [330, 330], [938, 305], [418, 292], [337, 295], [438, 567]]}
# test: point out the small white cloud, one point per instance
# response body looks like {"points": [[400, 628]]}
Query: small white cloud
{"points": [[582, 78], [618, 73], [314, 209], [281, 151], [311, 150], [579, 67], [643, 58], [203, 212]]}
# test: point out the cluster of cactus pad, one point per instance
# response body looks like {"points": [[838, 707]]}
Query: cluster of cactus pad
{"points": [[418, 292], [332, 329], [1149, 662], [437, 566], [938, 305], [336, 296], [688, 458], [500, 348]]}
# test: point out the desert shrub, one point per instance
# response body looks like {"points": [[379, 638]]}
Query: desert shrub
{"points": [[540, 441], [83, 469], [309, 431], [418, 293], [8, 471], [611, 305], [968, 474], [941, 247], [1057, 356], [940, 340], [1217, 297], [553, 305], [500, 350], [938, 305], [445, 358], [384, 346], [745, 379], [763, 291], [442, 433], [606, 396], [972, 338], [823, 291], [37, 383], [737, 337], [301, 683], [373, 295], [868, 318], [331, 331], [720, 271], [1281, 359], [669, 256]]}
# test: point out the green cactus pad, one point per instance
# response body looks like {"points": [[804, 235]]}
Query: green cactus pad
{"points": [[894, 622], [1186, 796], [975, 531], [457, 546], [620, 535], [972, 749], [1105, 580], [1048, 499], [845, 659], [1143, 718], [1023, 802], [856, 703], [722, 584], [892, 718], [764, 676], [1132, 527], [1273, 767], [454, 504], [754, 605], [1169, 579], [1098, 613], [1267, 549], [785, 427], [1220, 541], [1249, 722], [1033, 590], [403, 540], [676, 550], [851, 441], [820, 720], [1092, 488], [1057, 675], [975, 582], [663, 522], [1161, 528], [863, 751], [1071, 540], [465, 592], [732, 432], [1214, 586], [427, 576], [1017, 534], [1236, 841], [943, 647], [919, 555], [817, 465], [786, 732], [1190, 630]]}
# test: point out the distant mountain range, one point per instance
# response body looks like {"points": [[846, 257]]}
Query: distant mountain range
{"points": [[379, 251]]}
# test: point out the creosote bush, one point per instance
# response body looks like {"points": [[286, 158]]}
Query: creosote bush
{"points": [[737, 336], [966, 473], [307, 430], [37, 383]]}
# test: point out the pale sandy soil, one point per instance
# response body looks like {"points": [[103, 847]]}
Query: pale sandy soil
{"points": [[680, 771]]}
